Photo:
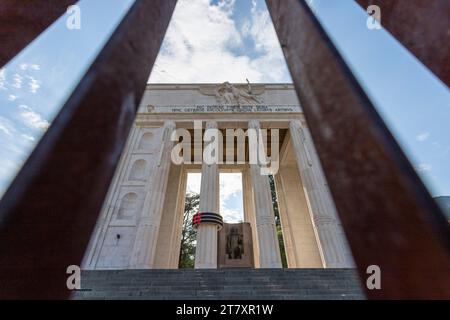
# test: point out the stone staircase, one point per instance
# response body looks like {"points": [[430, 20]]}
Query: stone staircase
{"points": [[221, 284]]}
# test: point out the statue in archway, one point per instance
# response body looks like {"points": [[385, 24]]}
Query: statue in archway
{"points": [[235, 244]]}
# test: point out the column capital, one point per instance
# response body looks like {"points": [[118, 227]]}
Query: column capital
{"points": [[211, 124], [295, 125], [170, 124], [168, 128], [254, 124]]}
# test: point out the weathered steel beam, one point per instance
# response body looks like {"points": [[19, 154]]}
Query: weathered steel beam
{"points": [[388, 215], [423, 27], [48, 213], [22, 21]]}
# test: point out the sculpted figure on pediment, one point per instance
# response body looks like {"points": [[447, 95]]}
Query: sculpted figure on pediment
{"points": [[229, 94]]}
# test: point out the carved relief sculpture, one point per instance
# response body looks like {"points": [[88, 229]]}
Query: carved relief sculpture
{"points": [[229, 94], [235, 244]]}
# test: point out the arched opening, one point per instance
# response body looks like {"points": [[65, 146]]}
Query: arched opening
{"points": [[128, 206], [146, 141], [137, 172]]}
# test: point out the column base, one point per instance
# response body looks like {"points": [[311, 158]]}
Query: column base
{"points": [[273, 265]]}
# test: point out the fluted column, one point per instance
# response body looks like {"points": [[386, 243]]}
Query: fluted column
{"points": [[148, 226], [249, 211], [206, 250], [269, 248], [334, 247]]}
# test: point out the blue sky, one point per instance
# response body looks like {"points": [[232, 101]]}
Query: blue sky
{"points": [[220, 41], [412, 101]]}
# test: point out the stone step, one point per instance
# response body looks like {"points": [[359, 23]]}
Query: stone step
{"points": [[218, 280], [222, 284]]}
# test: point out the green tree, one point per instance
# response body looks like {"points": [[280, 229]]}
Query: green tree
{"points": [[189, 233], [278, 221]]}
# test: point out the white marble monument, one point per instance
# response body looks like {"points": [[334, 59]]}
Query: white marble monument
{"points": [[140, 223]]}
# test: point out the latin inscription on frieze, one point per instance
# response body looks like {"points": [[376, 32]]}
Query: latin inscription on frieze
{"points": [[224, 109]]}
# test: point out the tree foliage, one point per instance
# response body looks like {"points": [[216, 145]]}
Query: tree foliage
{"points": [[189, 233], [278, 221]]}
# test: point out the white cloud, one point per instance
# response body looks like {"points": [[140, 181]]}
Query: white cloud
{"points": [[311, 3], [17, 81], [230, 184], [230, 187], [28, 137], [13, 152], [34, 84], [261, 30], [193, 182], [6, 126], [2, 78], [32, 66], [8, 169], [422, 136], [33, 119], [5, 129], [16, 137], [421, 167], [200, 42], [230, 215]]}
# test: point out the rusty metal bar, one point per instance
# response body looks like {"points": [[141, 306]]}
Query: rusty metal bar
{"points": [[422, 27], [389, 218], [49, 212], [22, 21]]}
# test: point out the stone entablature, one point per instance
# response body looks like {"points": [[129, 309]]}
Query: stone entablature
{"points": [[168, 95]]}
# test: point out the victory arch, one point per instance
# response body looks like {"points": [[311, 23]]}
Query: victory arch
{"points": [[140, 224]]}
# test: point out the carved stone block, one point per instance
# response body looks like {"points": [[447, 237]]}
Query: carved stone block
{"points": [[235, 246]]}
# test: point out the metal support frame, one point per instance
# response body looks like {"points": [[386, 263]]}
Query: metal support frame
{"points": [[388, 216], [48, 213], [422, 27], [21, 23]]}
